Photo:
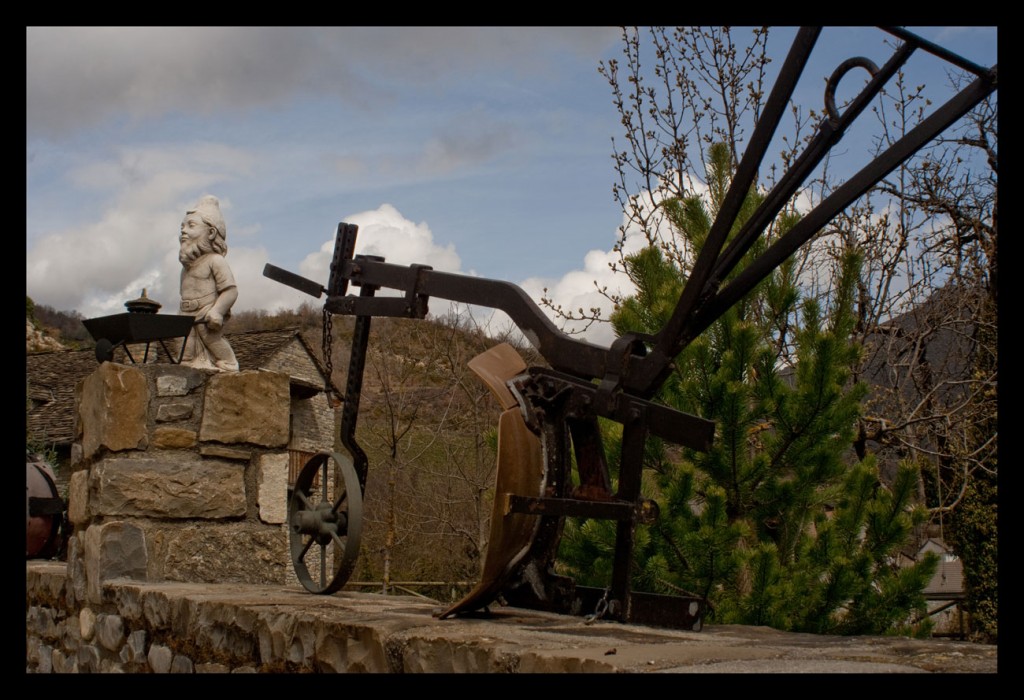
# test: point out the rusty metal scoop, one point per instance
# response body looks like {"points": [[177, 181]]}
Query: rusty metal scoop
{"points": [[520, 472]]}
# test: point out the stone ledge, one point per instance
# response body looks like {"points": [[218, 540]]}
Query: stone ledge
{"points": [[281, 629]]}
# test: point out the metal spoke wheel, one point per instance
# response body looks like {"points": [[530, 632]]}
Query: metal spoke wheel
{"points": [[325, 514]]}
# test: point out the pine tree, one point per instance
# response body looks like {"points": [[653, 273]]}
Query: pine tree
{"points": [[777, 524]]}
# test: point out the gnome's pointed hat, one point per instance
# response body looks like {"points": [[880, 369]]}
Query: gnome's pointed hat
{"points": [[208, 207]]}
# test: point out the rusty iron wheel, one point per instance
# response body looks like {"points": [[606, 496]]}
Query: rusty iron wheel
{"points": [[325, 513]]}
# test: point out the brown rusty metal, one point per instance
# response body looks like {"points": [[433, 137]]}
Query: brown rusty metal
{"points": [[520, 472], [44, 511]]}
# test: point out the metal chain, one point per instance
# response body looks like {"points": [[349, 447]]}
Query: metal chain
{"points": [[326, 346]]}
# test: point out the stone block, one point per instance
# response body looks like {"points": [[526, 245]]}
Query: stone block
{"points": [[247, 407], [219, 553], [134, 649], [173, 412], [165, 438], [76, 453], [172, 385], [182, 664], [78, 588], [113, 550], [110, 631], [112, 409], [111, 666], [159, 658], [40, 620], [78, 498], [178, 486], [225, 452], [272, 488], [44, 660], [88, 659], [64, 663], [87, 623]]}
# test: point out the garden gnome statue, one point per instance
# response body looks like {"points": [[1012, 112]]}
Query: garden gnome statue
{"points": [[207, 286]]}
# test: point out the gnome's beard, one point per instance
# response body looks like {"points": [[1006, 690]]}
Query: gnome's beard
{"points": [[191, 250]]}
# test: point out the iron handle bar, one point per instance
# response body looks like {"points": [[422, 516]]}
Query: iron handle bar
{"points": [[743, 179], [574, 508], [839, 200]]}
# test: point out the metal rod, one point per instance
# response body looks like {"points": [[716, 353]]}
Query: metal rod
{"points": [[634, 436], [829, 135], [936, 50], [845, 195], [746, 172], [572, 356]]}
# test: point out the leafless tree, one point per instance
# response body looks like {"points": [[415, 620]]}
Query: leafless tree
{"points": [[428, 428]]}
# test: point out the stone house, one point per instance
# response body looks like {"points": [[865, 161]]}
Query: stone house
{"points": [[945, 590], [52, 377]]}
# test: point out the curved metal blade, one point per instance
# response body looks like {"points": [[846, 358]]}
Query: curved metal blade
{"points": [[521, 471], [495, 367]]}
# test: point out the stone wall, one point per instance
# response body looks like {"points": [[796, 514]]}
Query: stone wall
{"points": [[179, 474], [139, 627], [166, 627]]}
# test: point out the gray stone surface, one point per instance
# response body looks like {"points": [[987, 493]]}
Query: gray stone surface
{"points": [[225, 452], [172, 385], [88, 659], [44, 659], [134, 649], [182, 664], [160, 658], [174, 411], [110, 631], [113, 550], [218, 552], [87, 623], [78, 497], [62, 663], [283, 629]]}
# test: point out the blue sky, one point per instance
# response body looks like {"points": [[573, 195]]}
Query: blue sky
{"points": [[483, 151]]}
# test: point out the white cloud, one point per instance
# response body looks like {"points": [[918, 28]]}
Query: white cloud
{"points": [[385, 232], [579, 292]]}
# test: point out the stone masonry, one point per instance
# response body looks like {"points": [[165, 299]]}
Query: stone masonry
{"points": [[179, 474], [192, 628]]}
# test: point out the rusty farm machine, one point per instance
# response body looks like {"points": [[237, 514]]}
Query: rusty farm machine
{"points": [[550, 420]]}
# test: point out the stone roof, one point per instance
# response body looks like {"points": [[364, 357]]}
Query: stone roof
{"points": [[51, 377], [50, 382], [948, 579]]}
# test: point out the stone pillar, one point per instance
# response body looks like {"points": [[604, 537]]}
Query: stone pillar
{"points": [[180, 475]]}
